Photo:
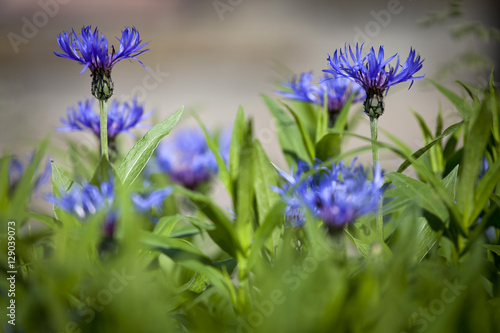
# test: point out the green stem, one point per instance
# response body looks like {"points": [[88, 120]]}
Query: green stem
{"points": [[374, 133], [103, 106]]}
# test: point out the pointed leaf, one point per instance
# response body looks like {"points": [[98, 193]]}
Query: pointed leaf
{"points": [[137, 158]]}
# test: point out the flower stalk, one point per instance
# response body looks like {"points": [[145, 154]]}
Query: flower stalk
{"points": [[103, 107]]}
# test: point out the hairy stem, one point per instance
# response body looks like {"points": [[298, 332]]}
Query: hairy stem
{"points": [[103, 106]]}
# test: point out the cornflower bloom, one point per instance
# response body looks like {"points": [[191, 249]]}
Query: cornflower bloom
{"points": [[374, 73], [337, 195], [294, 211], [337, 89], [122, 117], [187, 159], [87, 200], [91, 50], [17, 170]]}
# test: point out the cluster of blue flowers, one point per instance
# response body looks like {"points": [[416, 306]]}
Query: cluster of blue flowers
{"points": [[337, 90], [122, 117], [337, 195], [88, 199], [366, 76], [187, 159]]}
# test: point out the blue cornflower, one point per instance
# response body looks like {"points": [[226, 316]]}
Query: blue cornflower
{"points": [[91, 50], [343, 194], [338, 90], [151, 200], [88, 199], [17, 169], [294, 211], [374, 73], [121, 118], [337, 195], [186, 158]]}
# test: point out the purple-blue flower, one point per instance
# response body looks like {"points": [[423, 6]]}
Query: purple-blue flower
{"points": [[337, 195], [91, 49], [88, 199], [338, 90], [85, 200], [374, 73], [151, 200], [295, 211], [121, 118], [17, 169], [187, 159]]}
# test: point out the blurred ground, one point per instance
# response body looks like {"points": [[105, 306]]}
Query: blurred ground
{"points": [[216, 61]]}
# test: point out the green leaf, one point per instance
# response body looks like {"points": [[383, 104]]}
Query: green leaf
{"points": [[264, 232], [224, 233], [221, 165], [426, 196], [328, 147], [265, 176], [60, 179], [424, 149], [459, 102], [245, 192], [308, 142], [474, 147], [46, 219], [136, 159], [486, 186], [103, 172], [493, 248], [240, 127], [289, 134], [341, 121]]}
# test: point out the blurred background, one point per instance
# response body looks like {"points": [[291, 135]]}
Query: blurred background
{"points": [[212, 56]]}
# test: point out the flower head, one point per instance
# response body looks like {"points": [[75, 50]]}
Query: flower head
{"points": [[294, 211], [338, 195], [374, 73], [186, 158], [121, 118], [89, 199], [337, 89], [17, 169], [91, 50], [151, 200]]}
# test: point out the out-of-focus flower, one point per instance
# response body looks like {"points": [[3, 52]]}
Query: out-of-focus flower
{"points": [[187, 159], [91, 50], [86, 200], [337, 89], [374, 73], [89, 199], [294, 211], [150, 200], [122, 117], [17, 169], [338, 195]]}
